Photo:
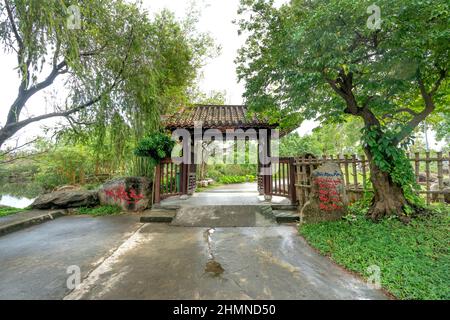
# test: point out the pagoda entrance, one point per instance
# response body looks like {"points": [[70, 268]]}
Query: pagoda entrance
{"points": [[218, 124]]}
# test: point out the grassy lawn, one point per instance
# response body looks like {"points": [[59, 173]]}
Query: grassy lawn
{"points": [[414, 259], [7, 211], [100, 211]]}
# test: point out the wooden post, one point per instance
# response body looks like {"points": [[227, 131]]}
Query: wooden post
{"points": [[417, 166], [291, 187], [427, 172], [355, 172], [268, 177], [441, 195], [363, 167], [158, 184], [347, 177]]}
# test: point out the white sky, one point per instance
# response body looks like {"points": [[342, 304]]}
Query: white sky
{"points": [[219, 74]]}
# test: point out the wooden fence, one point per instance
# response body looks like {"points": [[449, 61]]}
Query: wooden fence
{"points": [[431, 171]]}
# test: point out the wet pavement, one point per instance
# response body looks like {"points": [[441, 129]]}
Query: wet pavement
{"points": [[224, 216], [34, 261], [120, 258], [230, 194], [165, 262]]}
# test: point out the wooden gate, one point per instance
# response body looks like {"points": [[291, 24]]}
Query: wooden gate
{"points": [[281, 181], [173, 179], [170, 179]]}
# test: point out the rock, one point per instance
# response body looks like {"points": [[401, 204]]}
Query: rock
{"points": [[435, 187], [130, 193], [328, 199], [423, 177], [66, 188], [66, 199]]}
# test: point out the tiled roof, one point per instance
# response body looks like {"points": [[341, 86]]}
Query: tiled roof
{"points": [[215, 116]]}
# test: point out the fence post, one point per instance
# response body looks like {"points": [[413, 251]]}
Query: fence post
{"points": [[292, 188], [158, 184], [347, 177], [440, 176], [363, 167], [355, 172], [427, 172], [417, 166]]}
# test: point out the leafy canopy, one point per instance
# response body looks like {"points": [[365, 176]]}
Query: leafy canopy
{"points": [[298, 58]]}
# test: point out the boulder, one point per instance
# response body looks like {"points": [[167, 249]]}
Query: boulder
{"points": [[422, 177], [67, 188], [328, 199], [130, 193], [446, 189], [66, 199]]}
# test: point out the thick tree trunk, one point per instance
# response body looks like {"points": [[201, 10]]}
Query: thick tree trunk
{"points": [[389, 198]]}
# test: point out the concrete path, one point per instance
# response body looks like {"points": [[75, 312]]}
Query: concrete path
{"points": [[21, 220], [120, 258], [166, 262], [34, 261], [230, 194]]}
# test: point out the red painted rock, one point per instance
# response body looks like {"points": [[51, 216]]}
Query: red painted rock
{"points": [[328, 199], [130, 193]]}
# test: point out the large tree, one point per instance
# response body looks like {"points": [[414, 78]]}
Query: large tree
{"points": [[114, 66], [325, 59]]}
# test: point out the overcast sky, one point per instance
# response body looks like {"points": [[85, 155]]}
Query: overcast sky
{"points": [[219, 74]]}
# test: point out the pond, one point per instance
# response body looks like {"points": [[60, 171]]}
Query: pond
{"points": [[15, 202]]}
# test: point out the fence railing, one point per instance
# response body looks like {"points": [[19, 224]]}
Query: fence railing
{"points": [[431, 171]]}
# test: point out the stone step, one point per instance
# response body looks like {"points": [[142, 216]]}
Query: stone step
{"points": [[292, 207], [286, 216], [225, 216], [158, 215]]}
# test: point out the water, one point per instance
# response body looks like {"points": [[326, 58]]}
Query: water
{"points": [[15, 202]]}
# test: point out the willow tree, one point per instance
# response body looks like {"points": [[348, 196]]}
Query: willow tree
{"points": [[386, 64], [106, 57]]}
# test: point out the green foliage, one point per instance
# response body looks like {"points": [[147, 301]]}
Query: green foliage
{"points": [[293, 51], [414, 258], [121, 71], [100, 211], [157, 147], [219, 170], [319, 60], [392, 160], [236, 179], [8, 210]]}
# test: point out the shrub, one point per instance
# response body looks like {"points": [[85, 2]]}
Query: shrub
{"points": [[236, 179], [100, 211], [156, 147]]}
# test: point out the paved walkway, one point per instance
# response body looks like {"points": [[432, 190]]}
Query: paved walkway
{"points": [[17, 221], [230, 194], [34, 261], [165, 262], [120, 258]]}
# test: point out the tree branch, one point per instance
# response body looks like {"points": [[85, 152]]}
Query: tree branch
{"points": [[13, 26], [391, 115], [429, 105]]}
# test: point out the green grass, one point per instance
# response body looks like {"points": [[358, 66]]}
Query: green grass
{"points": [[8, 210], [100, 211], [414, 259]]}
